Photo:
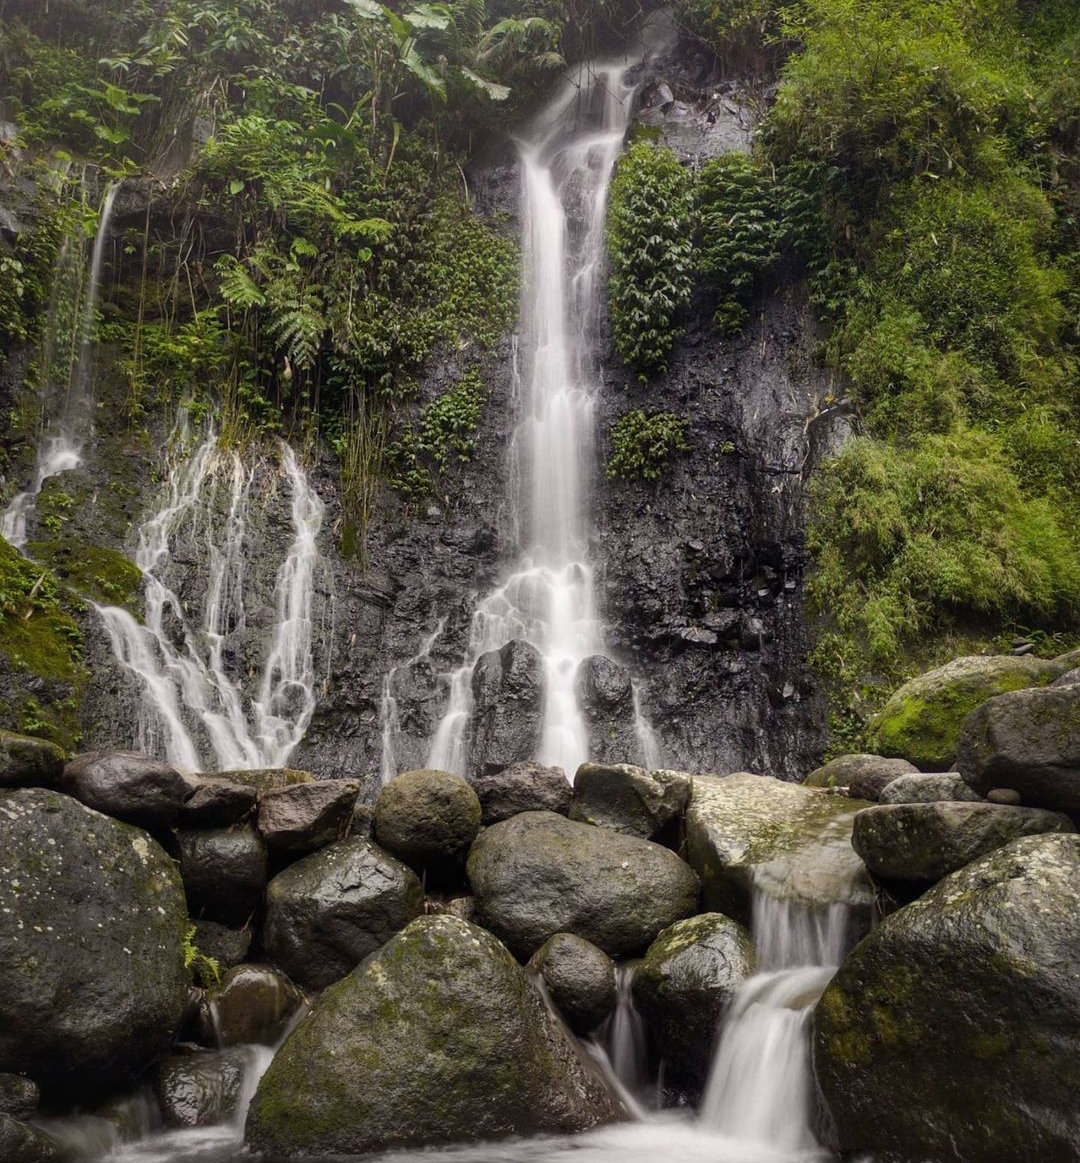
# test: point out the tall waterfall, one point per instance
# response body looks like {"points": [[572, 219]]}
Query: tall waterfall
{"points": [[60, 448], [196, 708], [549, 600]]}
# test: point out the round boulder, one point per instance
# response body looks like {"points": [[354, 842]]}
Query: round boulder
{"points": [[23, 1143], [521, 787], [129, 786], [538, 874], [92, 922], [253, 1004], [580, 979], [683, 987], [439, 1037], [934, 787], [327, 912], [201, 1090], [428, 819], [865, 776], [952, 1032], [26, 762]]}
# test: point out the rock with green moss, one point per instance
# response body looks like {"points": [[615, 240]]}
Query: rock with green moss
{"points": [[428, 819], [794, 841], [327, 912], [539, 873], [952, 1032], [266, 778], [23, 1143], [1028, 741], [92, 921], [628, 798], [439, 1037], [27, 762], [580, 979], [865, 776], [683, 987], [921, 722], [922, 842]]}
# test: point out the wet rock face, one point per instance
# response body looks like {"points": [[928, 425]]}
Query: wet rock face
{"points": [[606, 698], [522, 787], [508, 689], [629, 799], [580, 980], [254, 1003], [224, 872], [92, 919], [200, 1090], [129, 786]]}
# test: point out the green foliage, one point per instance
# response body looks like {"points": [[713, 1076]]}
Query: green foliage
{"points": [[204, 970], [93, 571], [642, 444], [650, 243]]}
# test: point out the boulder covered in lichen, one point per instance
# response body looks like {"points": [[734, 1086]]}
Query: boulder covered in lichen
{"points": [[952, 1032], [439, 1037]]}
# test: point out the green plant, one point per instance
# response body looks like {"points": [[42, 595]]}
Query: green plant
{"points": [[642, 444], [650, 244], [203, 969]]}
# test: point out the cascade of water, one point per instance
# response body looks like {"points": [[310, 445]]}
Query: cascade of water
{"points": [[60, 449], [388, 711], [549, 600], [623, 1039], [190, 699]]}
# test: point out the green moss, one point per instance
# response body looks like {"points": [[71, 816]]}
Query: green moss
{"points": [[94, 571]]}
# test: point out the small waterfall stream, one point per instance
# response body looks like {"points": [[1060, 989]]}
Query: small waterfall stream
{"points": [[61, 445]]}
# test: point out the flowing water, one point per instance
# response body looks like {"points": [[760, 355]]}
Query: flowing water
{"points": [[549, 599], [198, 708], [61, 445]]}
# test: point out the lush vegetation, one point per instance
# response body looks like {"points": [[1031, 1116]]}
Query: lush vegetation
{"points": [[642, 444]]}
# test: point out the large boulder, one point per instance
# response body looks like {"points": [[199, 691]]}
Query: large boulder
{"points": [[439, 1037], [683, 987], [224, 872], [521, 787], [253, 1004], [921, 722], [865, 776], [1028, 741], [306, 816], [129, 786], [19, 1096], [23, 1143], [215, 802], [26, 762], [952, 1032], [201, 1090], [327, 912], [744, 830], [931, 787], [428, 819], [508, 707], [538, 874], [629, 799], [580, 979], [92, 923], [922, 842]]}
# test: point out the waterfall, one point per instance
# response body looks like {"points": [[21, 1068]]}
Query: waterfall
{"points": [[60, 448], [388, 711], [193, 709], [623, 1041], [549, 600]]}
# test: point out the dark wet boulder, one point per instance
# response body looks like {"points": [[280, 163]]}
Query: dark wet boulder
{"points": [[792, 841], [932, 787], [201, 1090], [921, 721], [538, 874], [629, 799], [23, 1143], [580, 980], [328, 911], [428, 819], [227, 947], [508, 705], [306, 816], [253, 1004], [216, 802], [27, 762], [19, 1096], [605, 695], [439, 1037], [92, 923], [922, 842], [952, 1032], [865, 776], [224, 872], [521, 787], [683, 987], [129, 786], [1028, 741]]}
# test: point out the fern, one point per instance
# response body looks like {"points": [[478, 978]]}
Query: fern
{"points": [[237, 287], [297, 322]]}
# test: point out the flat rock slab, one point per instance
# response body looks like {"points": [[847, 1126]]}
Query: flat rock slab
{"points": [[539, 874], [794, 842], [921, 843]]}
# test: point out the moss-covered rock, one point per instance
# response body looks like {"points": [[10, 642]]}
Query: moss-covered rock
{"points": [[921, 721], [266, 778], [539, 873], [28, 762], [428, 819], [952, 1032], [438, 1037], [93, 571], [683, 987], [92, 921], [865, 776], [794, 841]]}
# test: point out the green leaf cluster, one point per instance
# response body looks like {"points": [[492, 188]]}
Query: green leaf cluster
{"points": [[643, 443]]}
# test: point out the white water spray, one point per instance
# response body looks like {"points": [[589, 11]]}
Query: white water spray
{"points": [[193, 706]]}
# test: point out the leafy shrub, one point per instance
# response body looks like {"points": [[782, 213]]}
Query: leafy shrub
{"points": [[642, 444], [649, 240]]}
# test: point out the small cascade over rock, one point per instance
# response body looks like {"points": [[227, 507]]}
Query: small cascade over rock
{"points": [[207, 699], [70, 361]]}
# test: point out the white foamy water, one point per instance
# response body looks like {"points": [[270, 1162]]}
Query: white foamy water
{"points": [[194, 707]]}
